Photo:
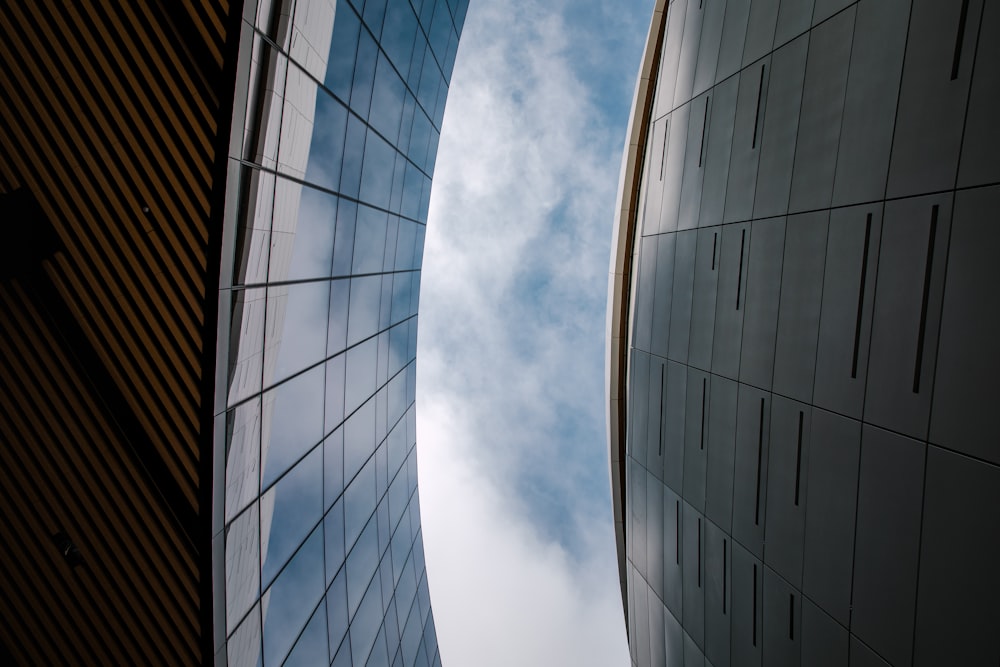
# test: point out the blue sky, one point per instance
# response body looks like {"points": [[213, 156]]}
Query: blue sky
{"points": [[511, 434]]}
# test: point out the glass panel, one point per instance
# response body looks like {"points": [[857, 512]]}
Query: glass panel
{"points": [[362, 561], [354, 151], [343, 51], [343, 248], [287, 604], [333, 529], [312, 247], [242, 561], [296, 328], [296, 122], [378, 657], [336, 613], [326, 153], [364, 74], [411, 635], [359, 439], [253, 235], [377, 171], [311, 649], [292, 422], [369, 240], [374, 14], [242, 457], [398, 31], [246, 343], [359, 501], [289, 510], [335, 391], [361, 364], [365, 624], [387, 100], [243, 649], [440, 30], [312, 30]]}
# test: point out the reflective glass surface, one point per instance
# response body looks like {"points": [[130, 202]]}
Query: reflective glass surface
{"points": [[330, 183]]}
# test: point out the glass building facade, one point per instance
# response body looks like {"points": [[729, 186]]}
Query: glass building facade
{"points": [[802, 336], [317, 545]]}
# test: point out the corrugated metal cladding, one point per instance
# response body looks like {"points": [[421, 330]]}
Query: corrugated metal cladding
{"points": [[109, 131], [812, 466]]}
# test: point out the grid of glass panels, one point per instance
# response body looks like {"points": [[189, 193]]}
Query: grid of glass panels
{"points": [[813, 471], [323, 553]]}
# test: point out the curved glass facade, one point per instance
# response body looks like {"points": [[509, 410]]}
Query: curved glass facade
{"points": [[318, 553], [802, 347]]}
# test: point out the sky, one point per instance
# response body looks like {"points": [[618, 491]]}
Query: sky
{"points": [[512, 452]]}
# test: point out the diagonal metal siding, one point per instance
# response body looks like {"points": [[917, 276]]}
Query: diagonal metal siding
{"points": [[109, 116]]}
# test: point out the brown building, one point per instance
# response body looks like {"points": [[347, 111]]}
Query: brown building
{"points": [[114, 125]]}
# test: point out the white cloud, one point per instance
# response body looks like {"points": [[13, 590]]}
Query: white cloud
{"points": [[503, 593], [513, 463]]}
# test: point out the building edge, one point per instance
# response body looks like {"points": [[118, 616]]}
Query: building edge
{"points": [[620, 278]]}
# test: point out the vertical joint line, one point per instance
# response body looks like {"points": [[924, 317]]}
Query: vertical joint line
{"points": [[923, 306], [659, 451], [760, 451], [715, 240], [704, 384], [959, 38], [756, 119], [739, 279], [861, 297], [699, 552], [755, 605], [704, 125], [791, 616], [798, 460]]}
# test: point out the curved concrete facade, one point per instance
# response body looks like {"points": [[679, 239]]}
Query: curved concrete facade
{"points": [[802, 316], [318, 554]]}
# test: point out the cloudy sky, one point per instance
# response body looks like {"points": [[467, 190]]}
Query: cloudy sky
{"points": [[513, 463]]}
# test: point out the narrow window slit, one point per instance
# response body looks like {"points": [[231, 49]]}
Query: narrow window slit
{"points": [[704, 125], [699, 553], [959, 38], [923, 306], [756, 120], [798, 460], [861, 297], [677, 530], [663, 154], [739, 279], [791, 616], [760, 452], [715, 239], [704, 383], [724, 568], [660, 448]]}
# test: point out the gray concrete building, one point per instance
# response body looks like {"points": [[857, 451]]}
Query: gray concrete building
{"points": [[802, 327]]}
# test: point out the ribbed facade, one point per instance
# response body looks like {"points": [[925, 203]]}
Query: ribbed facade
{"points": [[318, 547], [112, 117], [802, 366]]}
